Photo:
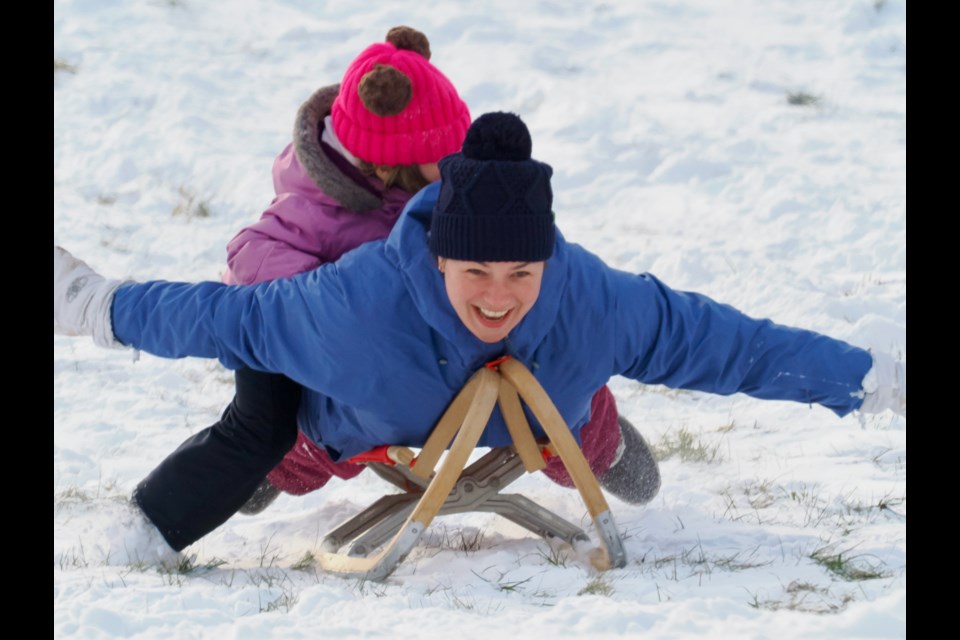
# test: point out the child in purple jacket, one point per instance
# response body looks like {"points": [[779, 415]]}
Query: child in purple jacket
{"points": [[325, 207], [360, 150]]}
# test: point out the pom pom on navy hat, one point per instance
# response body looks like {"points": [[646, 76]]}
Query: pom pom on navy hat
{"points": [[498, 136]]}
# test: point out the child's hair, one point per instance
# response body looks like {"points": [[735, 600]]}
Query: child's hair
{"points": [[406, 176], [394, 108]]}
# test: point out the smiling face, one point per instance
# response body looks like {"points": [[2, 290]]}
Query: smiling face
{"points": [[491, 298]]}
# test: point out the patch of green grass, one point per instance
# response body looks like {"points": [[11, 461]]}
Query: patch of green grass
{"points": [[802, 99], [762, 495], [727, 428], [512, 586], [461, 603], [738, 562], [509, 586], [73, 559], [190, 206], [305, 563], [269, 555], [853, 568], [73, 494], [598, 586], [687, 446], [284, 602], [886, 503], [61, 65], [759, 494], [467, 539], [470, 540], [700, 562], [187, 565], [365, 587], [805, 598], [555, 557], [106, 490]]}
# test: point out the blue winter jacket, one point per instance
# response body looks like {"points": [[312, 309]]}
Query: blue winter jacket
{"points": [[381, 352]]}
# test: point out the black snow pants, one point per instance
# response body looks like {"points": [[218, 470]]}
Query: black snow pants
{"points": [[214, 472]]}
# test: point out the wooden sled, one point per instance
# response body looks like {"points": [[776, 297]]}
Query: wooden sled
{"points": [[381, 536]]}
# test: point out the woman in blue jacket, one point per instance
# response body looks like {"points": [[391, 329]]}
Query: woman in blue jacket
{"points": [[475, 269]]}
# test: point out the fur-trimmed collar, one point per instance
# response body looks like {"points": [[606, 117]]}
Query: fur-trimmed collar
{"points": [[329, 177]]}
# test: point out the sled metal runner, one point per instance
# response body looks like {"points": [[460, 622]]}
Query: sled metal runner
{"points": [[372, 543]]}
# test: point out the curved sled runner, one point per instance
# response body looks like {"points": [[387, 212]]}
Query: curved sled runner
{"points": [[381, 536]]}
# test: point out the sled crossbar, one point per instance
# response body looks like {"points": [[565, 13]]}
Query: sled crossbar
{"points": [[378, 538]]}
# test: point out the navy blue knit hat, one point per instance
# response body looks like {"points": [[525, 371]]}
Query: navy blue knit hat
{"points": [[495, 201]]}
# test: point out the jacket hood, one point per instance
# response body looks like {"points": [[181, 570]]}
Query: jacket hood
{"points": [[408, 248], [325, 173]]}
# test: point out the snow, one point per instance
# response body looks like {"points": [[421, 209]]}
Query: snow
{"points": [[676, 150]]}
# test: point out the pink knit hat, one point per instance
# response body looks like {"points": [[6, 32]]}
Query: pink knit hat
{"points": [[394, 107]]}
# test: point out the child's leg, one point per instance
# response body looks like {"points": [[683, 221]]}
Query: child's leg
{"points": [[599, 439], [616, 452], [213, 473], [308, 467]]}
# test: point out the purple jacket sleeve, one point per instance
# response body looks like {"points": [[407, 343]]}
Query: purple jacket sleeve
{"points": [[275, 246], [293, 235], [303, 228]]}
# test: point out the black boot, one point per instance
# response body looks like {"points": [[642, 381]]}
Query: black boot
{"points": [[263, 496], [635, 476]]}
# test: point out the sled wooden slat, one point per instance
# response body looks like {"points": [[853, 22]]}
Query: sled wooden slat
{"points": [[519, 428], [480, 395], [463, 445], [572, 456], [453, 490], [559, 434], [446, 428]]}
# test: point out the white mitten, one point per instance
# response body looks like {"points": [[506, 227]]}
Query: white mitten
{"points": [[885, 386], [82, 300]]}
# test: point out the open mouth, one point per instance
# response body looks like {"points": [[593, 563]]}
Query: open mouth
{"points": [[491, 318]]}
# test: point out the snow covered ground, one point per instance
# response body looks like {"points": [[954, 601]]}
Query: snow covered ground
{"points": [[754, 151]]}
